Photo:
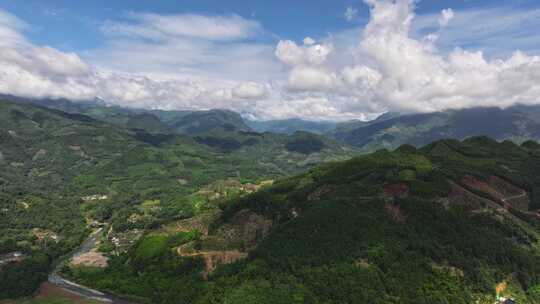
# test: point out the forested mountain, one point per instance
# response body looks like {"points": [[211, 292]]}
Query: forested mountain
{"points": [[448, 223], [214, 120], [217, 215], [153, 121], [42, 151], [270, 152], [389, 131], [63, 173], [518, 123], [289, 126]]}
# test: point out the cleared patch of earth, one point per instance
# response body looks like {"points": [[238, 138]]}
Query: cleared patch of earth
{"points": [[232, 242], [91, 259], [212, 259]]}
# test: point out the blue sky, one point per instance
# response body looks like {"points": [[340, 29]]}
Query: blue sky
{"points": [[75, 25], [321, 60]]}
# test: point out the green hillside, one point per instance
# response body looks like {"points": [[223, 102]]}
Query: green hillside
{"points": [[289, 126], [64, 173], [42, 151], [214, 120], [220, 217], [517, 123], [443, 224], [152, 121]]}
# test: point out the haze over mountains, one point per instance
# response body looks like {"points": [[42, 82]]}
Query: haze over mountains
{"points": [[391, 130]]}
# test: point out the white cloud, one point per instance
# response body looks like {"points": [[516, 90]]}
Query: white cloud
{"points": [[10, 27], [446, 16], [309, 78], [350, 13], [418, 78], [394, 71], [289, 52], [249, 90], [310, 53], [361, 76], [497, 31], [395, 63], [309, 41], [187, 47], [34, 71], [163, 27]]}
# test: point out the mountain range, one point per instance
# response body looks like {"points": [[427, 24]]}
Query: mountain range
{"points": [[207, 207], [390, 130], [517, 123]]}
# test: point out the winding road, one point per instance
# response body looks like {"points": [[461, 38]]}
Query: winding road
{"points": [[91, 294], [83, 291]]}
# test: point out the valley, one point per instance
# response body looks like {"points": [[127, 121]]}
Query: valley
{"points": [[270, 152], [67, 174], [109, 213], [56, 279]]}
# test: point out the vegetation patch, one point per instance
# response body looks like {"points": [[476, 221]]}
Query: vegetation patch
{"points": [[305, 144]]}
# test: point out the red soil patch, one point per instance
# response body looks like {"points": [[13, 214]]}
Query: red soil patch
{"points": [[396, 190], [460, 195], [246, 228], [500, 190], [483, 187], [503, 186], [212, 259]]}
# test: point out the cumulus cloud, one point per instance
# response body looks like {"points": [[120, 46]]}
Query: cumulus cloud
{"points": [[310, 53], [361, 76], [155, 61], [249, 90], [309, 78], [416, 77], [396, 72]]}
